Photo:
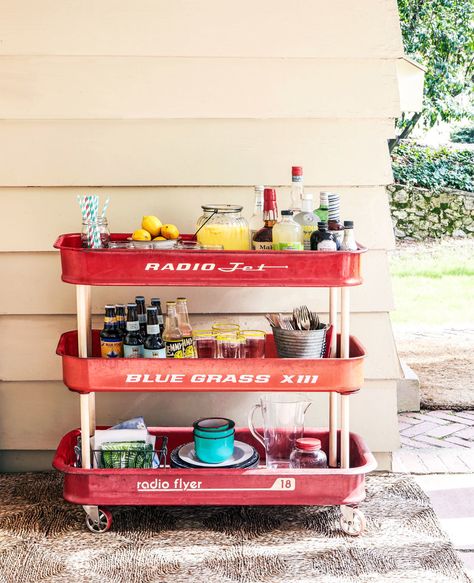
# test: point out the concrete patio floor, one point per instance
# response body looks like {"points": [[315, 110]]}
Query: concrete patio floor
{"points": [[438, 449]]}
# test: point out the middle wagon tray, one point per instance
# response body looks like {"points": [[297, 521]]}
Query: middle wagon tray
{"points": [[96, 374]]}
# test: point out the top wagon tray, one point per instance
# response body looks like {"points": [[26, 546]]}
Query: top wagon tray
{"points": [[206, 268]]}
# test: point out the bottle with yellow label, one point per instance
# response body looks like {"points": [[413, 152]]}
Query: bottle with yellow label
{"points": [[185, 328], [111, 345], [287, 234], [172, 335]]}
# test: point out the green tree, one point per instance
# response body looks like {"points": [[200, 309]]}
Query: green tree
{"points": [[440, 35]]}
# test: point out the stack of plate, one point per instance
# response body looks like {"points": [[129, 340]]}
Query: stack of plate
{"points": [[334, 206], [245, 456]]}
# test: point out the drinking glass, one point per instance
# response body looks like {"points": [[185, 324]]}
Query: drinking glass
{"points": [[225, 328], [254, 343], [228, 345], [205, 343]]}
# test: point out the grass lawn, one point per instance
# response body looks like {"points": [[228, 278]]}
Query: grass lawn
{"points": [[433, 283]]}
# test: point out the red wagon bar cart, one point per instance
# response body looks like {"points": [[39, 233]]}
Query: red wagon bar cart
{"points": [[86, 373]]}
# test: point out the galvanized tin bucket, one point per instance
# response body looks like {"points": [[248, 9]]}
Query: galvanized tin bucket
{"points": [[300, 343]]}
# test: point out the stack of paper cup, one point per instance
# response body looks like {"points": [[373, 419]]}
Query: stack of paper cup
{"points": [[334, 206]]}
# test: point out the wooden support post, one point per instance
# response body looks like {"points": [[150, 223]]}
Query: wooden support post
{"points": [[333, 397], [345, 316], [84, 339]]}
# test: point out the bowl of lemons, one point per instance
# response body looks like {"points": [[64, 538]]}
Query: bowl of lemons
{"points": [[153, 234]]}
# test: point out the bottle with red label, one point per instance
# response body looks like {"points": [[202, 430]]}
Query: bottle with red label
{"points": [[263, 238], [111, 345]]}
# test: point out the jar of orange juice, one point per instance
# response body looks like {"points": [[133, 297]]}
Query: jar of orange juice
{"points": [[223, 224]]}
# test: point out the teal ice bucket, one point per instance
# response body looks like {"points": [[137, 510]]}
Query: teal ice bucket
{"points": [[214, 439]]}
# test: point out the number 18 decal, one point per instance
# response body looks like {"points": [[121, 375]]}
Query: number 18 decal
{"points": [[284, 484]]}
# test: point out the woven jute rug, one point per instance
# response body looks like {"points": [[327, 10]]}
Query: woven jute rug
{"points": [[44, 539]]}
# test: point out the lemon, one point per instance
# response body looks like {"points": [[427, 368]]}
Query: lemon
{"points": [[141, 235], [152, 225], [159, 239], [169, 231]]}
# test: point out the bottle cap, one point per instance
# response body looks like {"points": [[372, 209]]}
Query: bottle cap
{"points": [[307, 196], [308, 443], [181, 299], [322, 225], [132, 305], [349, 224], [170, 303], [120, 305], [110, 307], [151, 309], [287, 213], [155, 301], [297, 170], [139, 298], [259, 188], [269, 193]]}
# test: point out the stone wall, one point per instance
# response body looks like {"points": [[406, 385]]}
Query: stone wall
{"points": [[418, 213]]}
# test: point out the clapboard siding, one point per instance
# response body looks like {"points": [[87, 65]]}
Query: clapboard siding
{"points": [[51, 296], [193, 152], [306, 28], [147, 87], [47, 212], [43, 334], [47, 410]]}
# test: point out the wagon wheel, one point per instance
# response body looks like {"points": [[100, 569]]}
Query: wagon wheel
{"points": [[104, 524], [352, 521]]}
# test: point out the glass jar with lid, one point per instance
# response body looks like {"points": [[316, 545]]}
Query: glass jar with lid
{"points": [[223, 224], [308, 454]]}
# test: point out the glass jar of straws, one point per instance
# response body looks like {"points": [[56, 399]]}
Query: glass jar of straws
{"points": [[95, 233]]}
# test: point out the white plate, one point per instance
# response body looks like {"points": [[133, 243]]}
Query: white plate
{"points": [[242, 453]]}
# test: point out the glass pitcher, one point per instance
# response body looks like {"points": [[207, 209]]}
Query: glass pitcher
{"points": [[283, 423]]}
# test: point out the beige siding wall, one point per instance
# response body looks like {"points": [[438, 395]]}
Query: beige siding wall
{"points": [[165, 106]]}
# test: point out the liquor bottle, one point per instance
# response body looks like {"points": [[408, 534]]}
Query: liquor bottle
{"points": [[185, 328], [156, 302], [133, 341], [322, 239], [337, 229], [297, 188], [263, 238], [287, 234], [172, 335], [349, 242], [154, 346], [255, 223], [322, 212], [307, 219], [121, 319], [110, 336], [141, 311]]}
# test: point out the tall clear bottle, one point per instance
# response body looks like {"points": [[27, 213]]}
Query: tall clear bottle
{"points": [[133, 341], [256, 220], [307, 219], [185, 328], [172, 335], [297, 188], [154, 346]]}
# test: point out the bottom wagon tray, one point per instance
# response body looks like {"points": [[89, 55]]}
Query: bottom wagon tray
{"points": [[258, 486]]}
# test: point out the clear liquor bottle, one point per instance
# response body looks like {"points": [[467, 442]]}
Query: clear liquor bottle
{"points": [[263, 238], [297, 188], [349, 242], [307, 219], [172, 335], [185, 328], [154, 346], [256, 220]]}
